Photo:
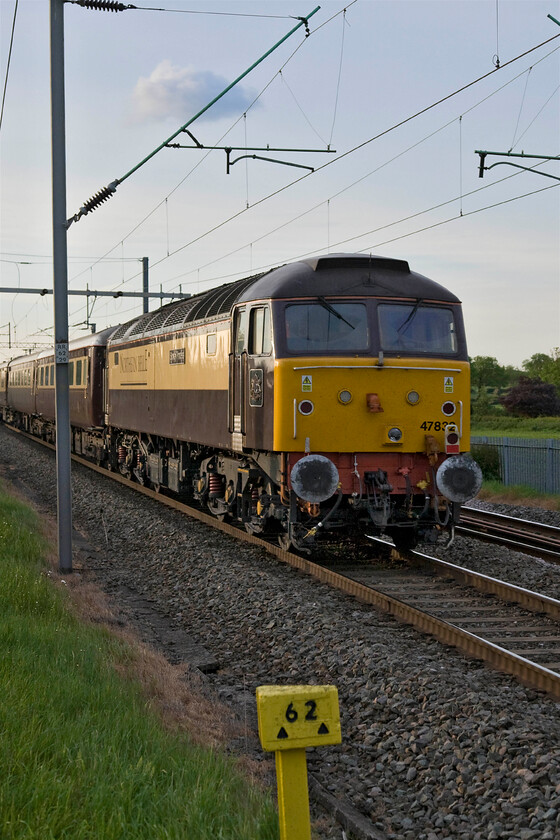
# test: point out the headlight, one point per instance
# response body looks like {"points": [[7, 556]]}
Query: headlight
{"points": [[413, 397], [394, 434]]}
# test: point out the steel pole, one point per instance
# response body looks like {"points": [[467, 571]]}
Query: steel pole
{"points": [[60, 289], [145, 284]]}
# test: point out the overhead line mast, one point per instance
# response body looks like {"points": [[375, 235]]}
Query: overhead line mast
{"points": [[60, 252]]}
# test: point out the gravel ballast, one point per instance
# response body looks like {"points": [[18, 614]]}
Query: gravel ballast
{"points": [[435, 746]]}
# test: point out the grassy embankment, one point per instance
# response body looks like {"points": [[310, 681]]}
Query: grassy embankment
{"points": [[82, 753], [508, 426]]}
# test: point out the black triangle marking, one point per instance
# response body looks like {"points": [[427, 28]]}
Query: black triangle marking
{"points": [[323, 730], [282, 733]]}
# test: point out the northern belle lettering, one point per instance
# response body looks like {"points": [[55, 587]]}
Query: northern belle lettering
{"points": [[133, 364]]}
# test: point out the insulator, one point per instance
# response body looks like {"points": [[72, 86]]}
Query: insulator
{"points": [[98, 198], [103, 5], [122, 454]]}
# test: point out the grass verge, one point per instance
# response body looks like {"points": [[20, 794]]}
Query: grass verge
{"points": [[82, 752], [522, 427], [496, 492]]}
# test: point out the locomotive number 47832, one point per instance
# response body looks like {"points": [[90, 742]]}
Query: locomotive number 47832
{"points": [[434, 425]]}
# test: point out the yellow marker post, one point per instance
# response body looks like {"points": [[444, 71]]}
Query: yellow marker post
{"points": [[291, 718]]}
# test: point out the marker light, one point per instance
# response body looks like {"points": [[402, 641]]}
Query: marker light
{"points": [[452, 440], [306, 407], [344, 397], [449, 408]]}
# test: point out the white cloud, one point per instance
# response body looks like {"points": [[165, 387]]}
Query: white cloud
{"points": [[177, 93]]}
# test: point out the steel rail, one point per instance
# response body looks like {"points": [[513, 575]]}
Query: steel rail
{"points": [[527, 672], [523, 535]]}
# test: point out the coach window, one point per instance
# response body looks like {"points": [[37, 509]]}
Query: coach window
{"points": [[260, 339], [79, 372], [71, 373], [52, 374]]}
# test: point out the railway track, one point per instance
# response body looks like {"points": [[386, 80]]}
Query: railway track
{"points": [[529, 537], [512, 629]]}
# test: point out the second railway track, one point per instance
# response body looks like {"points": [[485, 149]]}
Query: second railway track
{"points": [[522, 535]]}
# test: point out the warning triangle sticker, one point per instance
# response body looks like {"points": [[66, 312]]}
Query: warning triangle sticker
{"points": [[282, 733], [323, 730]]}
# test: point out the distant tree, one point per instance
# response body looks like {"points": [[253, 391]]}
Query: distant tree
{"points": [[544, 367], [532, 398], [511, 376], [487, 372]]}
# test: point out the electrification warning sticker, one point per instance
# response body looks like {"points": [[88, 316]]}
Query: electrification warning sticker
{"points": [[447, 384], [307, 383]]}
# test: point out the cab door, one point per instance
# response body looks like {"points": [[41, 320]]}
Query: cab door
{"points": [[238, 378], [259, 396]]}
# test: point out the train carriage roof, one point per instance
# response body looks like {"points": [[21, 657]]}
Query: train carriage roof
{"points": [[334, 274], [83, 342]]}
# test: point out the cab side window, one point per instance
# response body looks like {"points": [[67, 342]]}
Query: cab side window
{"points": [[240, 331], [260, 334]]}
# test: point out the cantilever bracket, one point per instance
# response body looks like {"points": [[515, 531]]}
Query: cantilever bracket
{"points": [[229, 149], [229, 162], [483, 155]]}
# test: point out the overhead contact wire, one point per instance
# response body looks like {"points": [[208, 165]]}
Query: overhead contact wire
{"points": [[8, 62], [354, 149], [182, 181]]}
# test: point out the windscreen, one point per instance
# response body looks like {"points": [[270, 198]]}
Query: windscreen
{"points": [[325, 327], [416, 328]]}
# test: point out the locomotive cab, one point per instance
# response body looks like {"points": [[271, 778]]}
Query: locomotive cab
{"points": [[367, 401]]}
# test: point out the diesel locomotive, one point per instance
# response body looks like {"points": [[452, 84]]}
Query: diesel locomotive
{"points": [[326, 398]]}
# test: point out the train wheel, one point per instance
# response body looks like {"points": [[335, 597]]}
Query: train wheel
{"points": [[405, 539]]}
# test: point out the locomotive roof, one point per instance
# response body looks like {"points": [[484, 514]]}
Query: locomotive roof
{"points": [[343, 274], [334, 274]]}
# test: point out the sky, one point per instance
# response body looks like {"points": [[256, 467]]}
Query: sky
{"points": [[392, 175]]}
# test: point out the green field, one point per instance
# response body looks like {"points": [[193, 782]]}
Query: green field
{"points": [[82, 755], [527, 427]]}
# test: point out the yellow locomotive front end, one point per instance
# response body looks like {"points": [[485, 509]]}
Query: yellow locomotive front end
{"points": [[344, 405], [372, 414]]}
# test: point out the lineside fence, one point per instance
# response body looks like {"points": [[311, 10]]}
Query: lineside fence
{"points": [[532, 462]]}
